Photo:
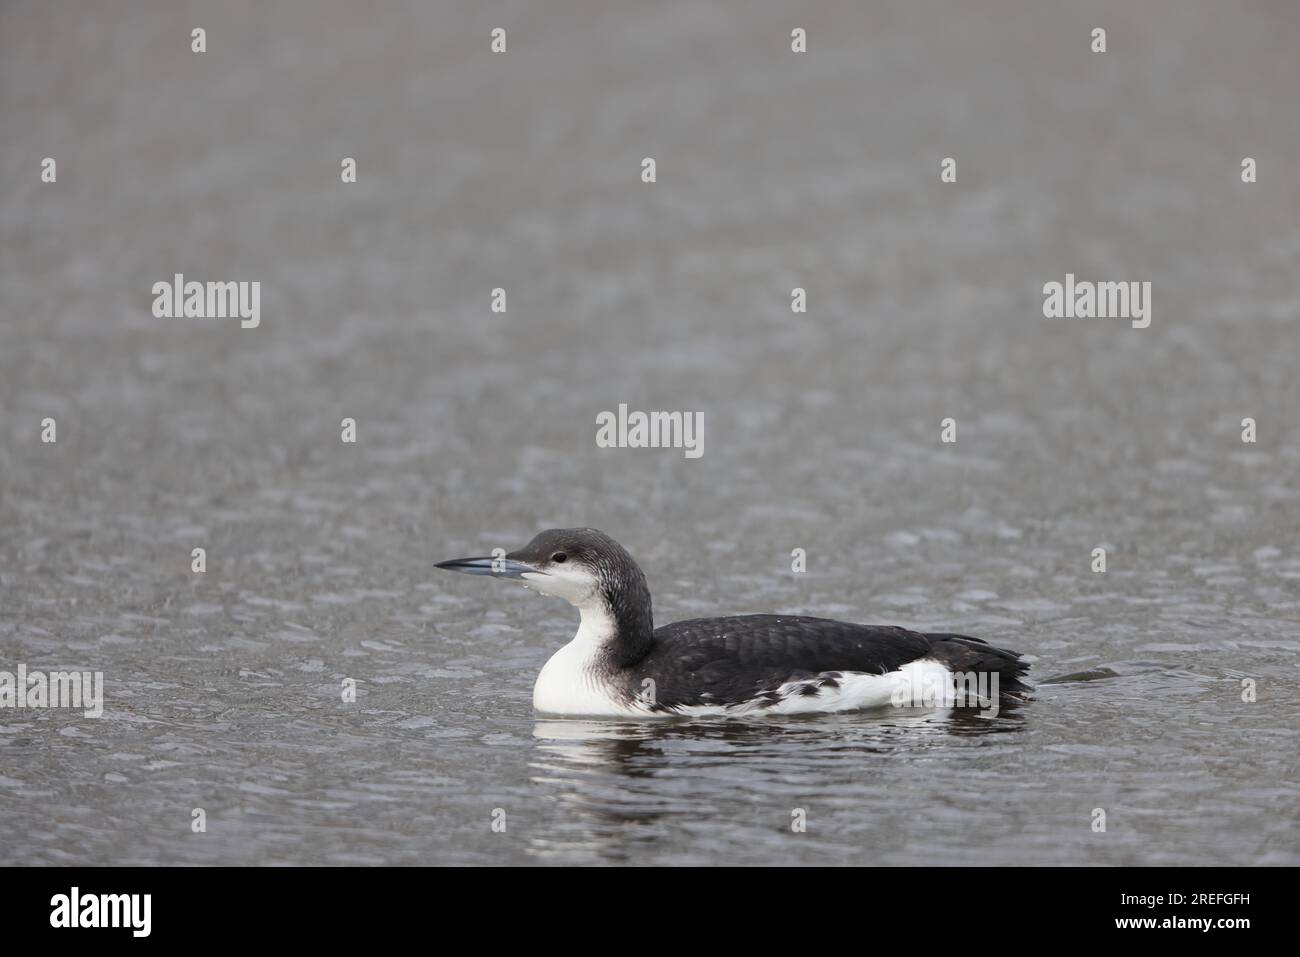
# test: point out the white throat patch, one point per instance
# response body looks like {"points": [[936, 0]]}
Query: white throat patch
{"points": [[573, 583]]}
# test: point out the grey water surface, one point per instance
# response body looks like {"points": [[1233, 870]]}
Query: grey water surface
{"points": [[476, 429]]}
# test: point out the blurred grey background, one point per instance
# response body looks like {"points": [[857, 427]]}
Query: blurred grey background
{"points": [[476, 429]]}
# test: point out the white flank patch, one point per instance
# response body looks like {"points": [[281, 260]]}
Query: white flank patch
{"points": [[857, 690]]}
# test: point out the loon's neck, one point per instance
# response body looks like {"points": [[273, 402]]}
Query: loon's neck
{"points": [[620, 621]]}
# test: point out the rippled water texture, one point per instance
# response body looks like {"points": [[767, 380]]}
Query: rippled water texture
{"points": [[476, 429]]}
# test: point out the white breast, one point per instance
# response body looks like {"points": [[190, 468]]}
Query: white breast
{"points": [[571, 685]]}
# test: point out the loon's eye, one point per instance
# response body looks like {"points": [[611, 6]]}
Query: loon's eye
{"points": [[559, 558]]}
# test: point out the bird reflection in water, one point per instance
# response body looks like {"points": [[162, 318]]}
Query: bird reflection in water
{"points": [[623, 786]]}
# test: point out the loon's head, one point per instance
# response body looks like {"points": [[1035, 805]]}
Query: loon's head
{"points": [[581, 565], [590, 570]]}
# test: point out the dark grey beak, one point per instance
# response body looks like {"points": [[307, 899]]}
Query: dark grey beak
{"points": [[496, 567]]}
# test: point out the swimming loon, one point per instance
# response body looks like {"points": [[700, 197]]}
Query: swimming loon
{"points": [[620, 665]]}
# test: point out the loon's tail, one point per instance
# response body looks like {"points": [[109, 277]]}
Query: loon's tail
{"points": [[962, 653]]}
